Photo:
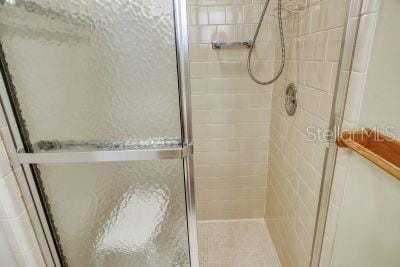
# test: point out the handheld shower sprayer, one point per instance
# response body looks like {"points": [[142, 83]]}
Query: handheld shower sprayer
{"points": [[282, 38]]}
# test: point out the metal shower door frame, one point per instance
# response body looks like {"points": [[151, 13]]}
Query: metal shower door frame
{"points": [[348, 46], [21, 160]]}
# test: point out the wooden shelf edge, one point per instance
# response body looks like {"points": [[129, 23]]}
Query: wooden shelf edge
{"points": [[378, 148]]}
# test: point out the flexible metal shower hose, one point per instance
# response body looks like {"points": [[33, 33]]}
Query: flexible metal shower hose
{"points": [[282, 37]]}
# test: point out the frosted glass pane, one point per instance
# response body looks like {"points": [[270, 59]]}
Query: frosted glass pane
{"points": [[93, 69], [119, 214]]}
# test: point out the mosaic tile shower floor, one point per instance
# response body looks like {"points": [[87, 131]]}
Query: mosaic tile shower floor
{"points": [[245, 243]]}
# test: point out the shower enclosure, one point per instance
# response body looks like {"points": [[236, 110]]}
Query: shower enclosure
{"points": [[102, 131], [99, 133]]}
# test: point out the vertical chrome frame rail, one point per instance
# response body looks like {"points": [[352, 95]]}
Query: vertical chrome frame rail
{"points": [[13, 142], [182, 50], [350, 33]]}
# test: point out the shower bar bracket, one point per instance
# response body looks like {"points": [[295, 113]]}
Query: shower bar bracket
{"points": [[104, 156], [224, 44]]}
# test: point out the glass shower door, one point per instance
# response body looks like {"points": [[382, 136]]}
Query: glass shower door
{"points": [[94, 90]]}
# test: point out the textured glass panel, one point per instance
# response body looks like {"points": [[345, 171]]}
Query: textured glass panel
{"points": [[119, 214], [93, 69]]}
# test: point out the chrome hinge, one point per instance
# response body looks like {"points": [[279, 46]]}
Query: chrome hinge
{"points": [[187, 150]]}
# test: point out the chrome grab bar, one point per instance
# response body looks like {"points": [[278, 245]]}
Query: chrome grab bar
{"points": [[105, 151], [104, 156], [222, 44]]}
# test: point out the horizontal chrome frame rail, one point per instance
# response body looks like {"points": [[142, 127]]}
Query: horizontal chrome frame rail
{"points": [[103, 156]]}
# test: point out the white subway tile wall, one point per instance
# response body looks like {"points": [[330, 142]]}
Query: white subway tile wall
{"points": [[6, 256], [366, 13], [242, 133], [231, 113], [313, 41], [14, 219]]}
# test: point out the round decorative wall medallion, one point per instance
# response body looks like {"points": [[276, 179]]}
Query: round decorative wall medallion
{"points": [[291, 99]]}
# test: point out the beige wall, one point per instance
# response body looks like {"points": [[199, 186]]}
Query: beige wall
{"points": [[231, 114], [368, 231], [363, 222], [295, 165]]}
